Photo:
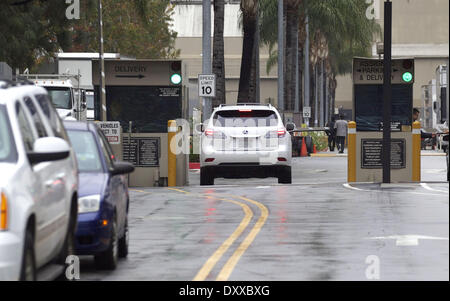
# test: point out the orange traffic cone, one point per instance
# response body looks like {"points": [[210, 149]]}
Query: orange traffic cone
{"points": [[314, 149], [303, 152]]}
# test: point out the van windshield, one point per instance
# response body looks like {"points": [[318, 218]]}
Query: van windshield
{"points": [[61, 97], [245, 118]]}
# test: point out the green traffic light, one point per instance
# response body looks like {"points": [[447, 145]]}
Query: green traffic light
{"points": [[407, 77], [175, 79]]}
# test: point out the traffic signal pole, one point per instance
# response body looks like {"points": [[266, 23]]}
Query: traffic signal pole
{"points": [[387, 92]]}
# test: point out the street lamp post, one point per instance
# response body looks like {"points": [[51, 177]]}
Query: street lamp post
{"points": [[387, 92], [102, 90]]}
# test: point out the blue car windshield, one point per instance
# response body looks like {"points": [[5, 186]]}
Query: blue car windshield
{"points": [[86, 150], [7, 147]]}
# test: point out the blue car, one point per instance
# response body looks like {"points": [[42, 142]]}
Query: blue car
{"points": [[103, 198]]}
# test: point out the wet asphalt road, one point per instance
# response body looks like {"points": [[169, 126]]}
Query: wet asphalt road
{"points": [[314, 229]]}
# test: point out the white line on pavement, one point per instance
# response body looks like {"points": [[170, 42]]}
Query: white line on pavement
{"points": [[427, 187]]}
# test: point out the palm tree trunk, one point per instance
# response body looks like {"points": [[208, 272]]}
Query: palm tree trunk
{"points": [[249, 10], [218, 63], [291, 52]]}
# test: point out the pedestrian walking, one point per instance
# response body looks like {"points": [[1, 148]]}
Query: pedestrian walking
{"points": [[341, 132], [331, 133]]}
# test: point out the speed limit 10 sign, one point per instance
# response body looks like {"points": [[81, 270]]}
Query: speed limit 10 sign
{"points": [[207, 85]]}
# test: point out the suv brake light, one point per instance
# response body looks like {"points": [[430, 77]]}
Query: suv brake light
{"points": [[214, 134], [281, 133]]}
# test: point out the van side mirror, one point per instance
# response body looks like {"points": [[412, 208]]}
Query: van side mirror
{"points": [[48, 149]]}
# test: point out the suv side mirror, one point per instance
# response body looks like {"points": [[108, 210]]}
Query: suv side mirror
{"points": [[290, 126], [48, 149], [121, 168]]}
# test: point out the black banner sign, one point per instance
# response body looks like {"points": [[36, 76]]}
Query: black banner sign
{"points": [[142, 151], [371, 153]]}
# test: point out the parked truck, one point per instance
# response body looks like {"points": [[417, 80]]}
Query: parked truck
{"points": [[65, 93]]}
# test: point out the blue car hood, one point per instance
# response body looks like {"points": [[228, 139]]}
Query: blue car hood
{"points": [[91, 183]]}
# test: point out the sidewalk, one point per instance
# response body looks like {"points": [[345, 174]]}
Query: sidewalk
{"points": [[424, 153]]}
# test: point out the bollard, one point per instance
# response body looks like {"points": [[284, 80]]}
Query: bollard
{"points": [[351, 159], [172, 158], [416, 146]]}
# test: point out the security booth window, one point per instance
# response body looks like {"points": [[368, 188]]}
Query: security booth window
{"points": [[148, 107], [369, 107]]}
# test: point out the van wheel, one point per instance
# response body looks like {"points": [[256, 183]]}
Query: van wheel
{"points": [[108, 260], [28, 270], [206, 176], [285, 176], [123, 241]]}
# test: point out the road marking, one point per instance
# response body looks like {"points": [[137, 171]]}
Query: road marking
{"points": [[217, 255], [262, 187], [179, 190], [408, 240], [346, 185], [211, 262], [142, 191], [233, 260], [427, 187]]}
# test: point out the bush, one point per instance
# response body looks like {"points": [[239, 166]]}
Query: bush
{"points": [[320, 139]]}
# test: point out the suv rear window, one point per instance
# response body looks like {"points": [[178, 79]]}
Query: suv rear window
{"points": [[7, 147], [245, 117]]}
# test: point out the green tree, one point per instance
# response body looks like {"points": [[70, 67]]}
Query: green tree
{"points": [[134, 28], [31, 30]]}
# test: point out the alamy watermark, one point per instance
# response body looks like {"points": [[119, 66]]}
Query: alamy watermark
{"points": [[373, 11], [73, 9], [73, 267], [373, 267]]}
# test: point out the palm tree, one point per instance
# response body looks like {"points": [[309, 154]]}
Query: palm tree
{"points": [[247, 92], [342, 24], [218, 64]]}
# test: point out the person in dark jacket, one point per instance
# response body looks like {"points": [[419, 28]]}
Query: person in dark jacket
{"points": [[331, 133]]}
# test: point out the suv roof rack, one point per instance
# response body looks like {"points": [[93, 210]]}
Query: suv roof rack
{"points": [[5, 84]]}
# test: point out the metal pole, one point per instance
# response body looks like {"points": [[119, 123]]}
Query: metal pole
{"points": [[322, 100], [102, 89], [257, 55], [387, 92], [296, 99], [306, 69], [206, 53], [327, 100], [316, 94], [280, 57]]}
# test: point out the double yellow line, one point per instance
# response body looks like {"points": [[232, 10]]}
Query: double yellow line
{"points": [[229, 266]]}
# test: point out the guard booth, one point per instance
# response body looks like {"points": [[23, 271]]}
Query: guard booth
{"points": [[142, 95], [365, 141]]}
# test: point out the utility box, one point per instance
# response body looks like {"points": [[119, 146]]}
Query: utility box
{"points": [[5, 71], [368, 115], [143, 95]]}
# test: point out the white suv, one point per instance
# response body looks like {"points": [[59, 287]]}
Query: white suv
{"points": [[38, 185], [245, 140]]}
